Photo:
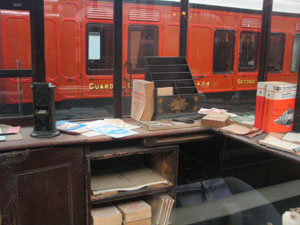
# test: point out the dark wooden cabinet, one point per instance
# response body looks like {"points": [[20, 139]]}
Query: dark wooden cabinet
{"points": [[100, 160], [42, 187]]}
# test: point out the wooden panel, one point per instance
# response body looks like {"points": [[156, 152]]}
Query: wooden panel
{"points": [[282, 25], [18, 42], [45, 185], [225, 20], [42, 187], [51, 51], [171, 41], [70, 49], [100, 154], [199, 54], [207, 18], [69, 10], [1, 46]]}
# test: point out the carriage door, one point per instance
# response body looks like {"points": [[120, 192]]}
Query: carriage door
{"points": [[223, 59], [142, 41], [248, 61]]}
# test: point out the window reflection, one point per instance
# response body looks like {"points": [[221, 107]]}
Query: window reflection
{"points": [[276, 52], [142, 41], [224, 43], [99, 49], [248, 51], [296, 54]]}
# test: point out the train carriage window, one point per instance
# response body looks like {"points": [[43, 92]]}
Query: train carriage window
{"points": [[248, 51], [276, 52], [142, 41], [296, 54], [224, 42], [99, 47]]}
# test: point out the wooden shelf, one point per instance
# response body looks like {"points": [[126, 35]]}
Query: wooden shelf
{"points": [[122, 152], [150, 190], [163, 160]]}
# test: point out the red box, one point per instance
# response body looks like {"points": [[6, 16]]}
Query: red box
{"points": [[279, 107]]}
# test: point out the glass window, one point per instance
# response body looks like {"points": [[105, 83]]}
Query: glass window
{"points": [[296, 54], [224, 42], [276, 52], [99, 41], [248, 51], [142, 41]]}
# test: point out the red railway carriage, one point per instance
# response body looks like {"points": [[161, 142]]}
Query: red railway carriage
{"points": [[223, 46]]}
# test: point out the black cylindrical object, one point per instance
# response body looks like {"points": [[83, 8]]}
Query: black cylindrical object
{"points": [[44, 110]]}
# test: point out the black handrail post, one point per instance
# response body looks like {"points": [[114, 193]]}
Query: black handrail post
{"points": [[183, 34], [296, 125], [265, 39], [117, 80], [37, 40]]}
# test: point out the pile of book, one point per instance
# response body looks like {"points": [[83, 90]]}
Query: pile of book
{"points": [[161, 209], [9, 133], [275, 102], [156, 212], [130, 213]]}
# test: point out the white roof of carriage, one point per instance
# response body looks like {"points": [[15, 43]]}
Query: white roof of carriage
{"points": [[287, 6]]}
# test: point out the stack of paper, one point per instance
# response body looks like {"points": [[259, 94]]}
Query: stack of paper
{"points": [[129, 180], [115, 128], [273, 142], [161, 207], [9, 133], [71, 127]]}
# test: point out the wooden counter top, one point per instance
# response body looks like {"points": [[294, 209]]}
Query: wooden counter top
{"points": [[69, 139]]}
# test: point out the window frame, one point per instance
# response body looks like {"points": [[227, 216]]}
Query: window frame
{"points": [[283, 51], [233, 56], [297, 69], [156, 48], [255, 68], [37, 40], [91, 27]]}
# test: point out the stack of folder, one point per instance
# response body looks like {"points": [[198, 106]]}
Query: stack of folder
{"points": [[161, 209]]}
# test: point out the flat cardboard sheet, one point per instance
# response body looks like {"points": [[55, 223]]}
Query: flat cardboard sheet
{"points": [[238, 129]]}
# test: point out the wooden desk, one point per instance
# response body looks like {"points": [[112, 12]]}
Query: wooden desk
{"points": [[67, 139], [46, 181], [253, 142]]}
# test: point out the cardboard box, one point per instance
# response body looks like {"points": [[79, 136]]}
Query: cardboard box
{"points": [[215, 120], [146, 221], [109, 215], [135, 211], [165, 91], [142, 105], [279, 107], [260, 102]]}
